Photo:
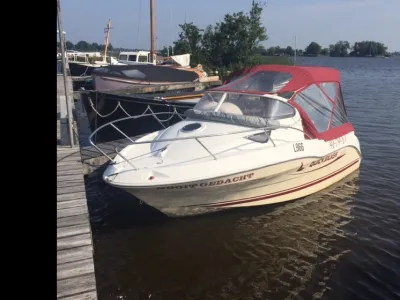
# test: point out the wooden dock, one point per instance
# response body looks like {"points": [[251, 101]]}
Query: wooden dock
{"points": [[75, 266], [93, 159]]}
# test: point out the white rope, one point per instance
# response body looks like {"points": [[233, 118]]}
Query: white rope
{"points": [[175, 112], [179, 115], [143, 113], [84, 73], [166, 120], [119, 104], [103, 116]]}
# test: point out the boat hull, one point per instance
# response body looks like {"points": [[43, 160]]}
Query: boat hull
{"points": [[80, 69], [106, 83], [125, 77], [272, 184]]}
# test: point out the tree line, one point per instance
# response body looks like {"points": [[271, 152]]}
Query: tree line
{"points": [[343, 49], [84, 46], [339, 49]]}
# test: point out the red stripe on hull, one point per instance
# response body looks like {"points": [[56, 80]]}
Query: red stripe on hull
{"points": [[267, 196]]}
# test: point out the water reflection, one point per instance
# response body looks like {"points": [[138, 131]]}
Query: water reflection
{"points": [[270, 252]]}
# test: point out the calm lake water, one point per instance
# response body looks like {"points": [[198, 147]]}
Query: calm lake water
{"points": [[342, 243]]}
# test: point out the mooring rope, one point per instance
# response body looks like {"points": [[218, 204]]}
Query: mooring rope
{"points": [[148, 108], [98, 113], [84, 73]]}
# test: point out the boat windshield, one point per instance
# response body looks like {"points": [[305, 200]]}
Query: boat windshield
{"points": [[244, 104]]}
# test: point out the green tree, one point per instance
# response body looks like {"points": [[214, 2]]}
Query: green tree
{"points": [[289, 51], [210, 51], [313, 49], [278, 51], [69, 45], [325, 51], [272, 51], [166, 51], [189, 41], [368, 48], [230, 42], [82, 46], [257, 32], [260, 50], [94, 46], [341, 48]]}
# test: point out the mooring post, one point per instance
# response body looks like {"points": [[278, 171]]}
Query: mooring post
{"points": [[65, 74], [152, 33]]}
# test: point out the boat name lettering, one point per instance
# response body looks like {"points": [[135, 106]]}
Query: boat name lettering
{"points": [[209, 183], [297, 147], [324, 159]]}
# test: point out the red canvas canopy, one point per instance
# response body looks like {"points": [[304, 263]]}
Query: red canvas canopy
{"points": [[314, 91], [299, 76]]}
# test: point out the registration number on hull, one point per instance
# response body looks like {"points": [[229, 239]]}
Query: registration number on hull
{"points": [[335, 143]]}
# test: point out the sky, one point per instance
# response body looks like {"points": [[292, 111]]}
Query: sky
{"points": [[323, 21]]}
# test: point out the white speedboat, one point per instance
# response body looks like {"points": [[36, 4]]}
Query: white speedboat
{"points": [[276, 134]]}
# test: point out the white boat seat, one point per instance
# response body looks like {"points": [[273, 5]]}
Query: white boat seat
{"points": [[207, 106], [230, 108]]}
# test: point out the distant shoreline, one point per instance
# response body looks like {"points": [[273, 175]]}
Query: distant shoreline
{"points": [[348, 56]]}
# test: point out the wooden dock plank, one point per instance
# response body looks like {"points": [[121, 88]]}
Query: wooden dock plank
{"points": [[63, 158], [67, 150], [61, 148], [76, 268], [68, 171], [72, 220], [70, 189], [68, 159], [71, 155], [76, 285], [63, 232], [83, 296], [68, 177], [68, 163], [74, 254], [72, 211], [74, 168], [71, 196], [69, 183], [71, 203], [74, 241]]}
